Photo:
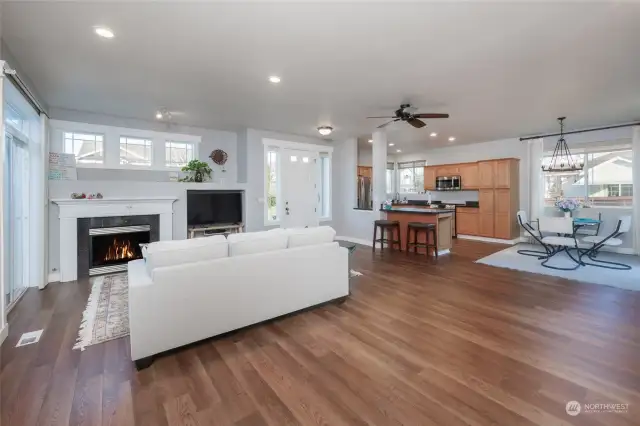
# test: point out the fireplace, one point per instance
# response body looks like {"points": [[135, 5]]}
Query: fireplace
{"points": [[111, 248], [107, 244]]}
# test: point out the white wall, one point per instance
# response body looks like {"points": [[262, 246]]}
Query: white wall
{"points": [[365, 155]]}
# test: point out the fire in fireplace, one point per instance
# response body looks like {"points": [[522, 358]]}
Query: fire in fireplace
{"points": [[112, 248]]}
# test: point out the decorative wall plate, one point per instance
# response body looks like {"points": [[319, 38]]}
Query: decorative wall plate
{"points": [[219, 157]]}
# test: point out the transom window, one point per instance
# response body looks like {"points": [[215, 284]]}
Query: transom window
{"points": [[135, 151], [178, 154], [88, 148]]}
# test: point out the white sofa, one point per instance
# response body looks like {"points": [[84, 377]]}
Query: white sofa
{"points": [[189, 290]]}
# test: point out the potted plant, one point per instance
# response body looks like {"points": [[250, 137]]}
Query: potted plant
{"points": [[198, 171], [567, 205]]}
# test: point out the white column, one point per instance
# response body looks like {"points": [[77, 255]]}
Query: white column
{"points": [[379, 170], [536, 184], [68, 249], [635, 223]]}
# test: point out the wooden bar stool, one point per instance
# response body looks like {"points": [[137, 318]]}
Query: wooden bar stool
{"points": [[389, 226], [427, 228]]}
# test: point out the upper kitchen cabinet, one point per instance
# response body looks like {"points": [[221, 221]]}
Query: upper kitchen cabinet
{"points": [[506, 175], [469, 175], [486, 174], [448, 170], [430, 178]]}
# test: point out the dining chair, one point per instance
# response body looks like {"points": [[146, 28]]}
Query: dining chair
{"points": [[535, 234], [561, 226], [589, 213], [611, 240]]}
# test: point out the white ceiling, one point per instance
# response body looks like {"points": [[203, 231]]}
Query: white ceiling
{"points": [[500, 70]]}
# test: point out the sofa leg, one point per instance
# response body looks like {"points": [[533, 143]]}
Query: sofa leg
{"points": [[143, 363]]}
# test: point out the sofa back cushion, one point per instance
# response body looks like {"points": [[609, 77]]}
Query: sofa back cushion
{"points": [[179, 252], [256, 242], [299, 237]]}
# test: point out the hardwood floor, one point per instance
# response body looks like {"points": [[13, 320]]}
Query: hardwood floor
{"points": [[419, 342]]}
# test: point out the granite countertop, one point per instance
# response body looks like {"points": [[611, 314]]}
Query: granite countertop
{"points": [[416, 210]]}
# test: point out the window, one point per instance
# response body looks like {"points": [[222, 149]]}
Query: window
{"points": [[178, 154], [88, 148], [606, 180], [324, 186], [135, 151], [411, 175], [390, 175], [272, 189]]}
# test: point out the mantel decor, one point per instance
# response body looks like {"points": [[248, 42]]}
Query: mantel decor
{"points": [[219, 157], [198, 171], [562, 161]]}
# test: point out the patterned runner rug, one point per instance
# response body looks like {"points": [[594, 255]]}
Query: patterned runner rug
{"points": [[106, 316]]}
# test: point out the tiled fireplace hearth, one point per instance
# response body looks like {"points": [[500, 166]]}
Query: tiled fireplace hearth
{"points": [[102, 235]]}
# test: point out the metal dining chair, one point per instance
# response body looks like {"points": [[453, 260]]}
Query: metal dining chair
{"points": [[535, 234], [611, 240], [557, 244], [589, 214]]}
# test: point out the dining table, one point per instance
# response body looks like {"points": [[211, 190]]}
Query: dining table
{"points": [[579, 222]]}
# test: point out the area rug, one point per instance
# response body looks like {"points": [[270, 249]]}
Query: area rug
{"points": [[629, 280], [106, 316]]}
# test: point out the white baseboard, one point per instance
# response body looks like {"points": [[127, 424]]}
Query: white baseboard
{"points": [[355, 240], [53, 277], [488, 240], [4, 333]]}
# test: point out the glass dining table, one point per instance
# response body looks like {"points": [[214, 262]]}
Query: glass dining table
{"points": [[579, 222]]}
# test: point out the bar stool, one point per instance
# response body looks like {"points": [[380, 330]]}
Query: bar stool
{"points": [[427, 228], [389, 226]]}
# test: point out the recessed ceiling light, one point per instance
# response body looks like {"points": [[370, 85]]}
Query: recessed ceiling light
{"points": [[451, 139], [325, 130], [433, 134], [274, 79], [103, 32], [397, 150], [370, 140], [391, 144]]}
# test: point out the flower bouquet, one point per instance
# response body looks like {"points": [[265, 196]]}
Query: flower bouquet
{"points": [[567, 205]]}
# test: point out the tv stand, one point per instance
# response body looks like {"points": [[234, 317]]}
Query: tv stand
{"points": [[197, 231]]}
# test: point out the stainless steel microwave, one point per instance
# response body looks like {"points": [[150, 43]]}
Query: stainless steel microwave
{"points": [[448, 183]]}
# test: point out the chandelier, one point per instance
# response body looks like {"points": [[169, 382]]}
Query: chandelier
{"points": [[562, 160]]}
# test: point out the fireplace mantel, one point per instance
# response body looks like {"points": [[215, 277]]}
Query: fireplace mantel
{"points": [[71, 210]]}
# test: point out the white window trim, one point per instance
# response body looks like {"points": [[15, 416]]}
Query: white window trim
{"points": [[398, 179], [278, 145], [111, 143]]}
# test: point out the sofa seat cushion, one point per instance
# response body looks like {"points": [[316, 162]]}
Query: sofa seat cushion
{"points": [[299, 237], [186, 251], [256, 242]]}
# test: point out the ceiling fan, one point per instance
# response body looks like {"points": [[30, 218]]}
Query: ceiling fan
{"points": [[405, 114]]}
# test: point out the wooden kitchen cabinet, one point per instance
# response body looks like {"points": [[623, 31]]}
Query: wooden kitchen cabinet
{"points": [[469, 175], [486, 174], [467, 222], [486, 225], [503, 173], [365, 171], [502, 201], [486, 201], [430, 178], [448, 170]]}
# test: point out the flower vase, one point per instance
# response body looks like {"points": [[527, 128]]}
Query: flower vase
{"points": [[567, 214]]}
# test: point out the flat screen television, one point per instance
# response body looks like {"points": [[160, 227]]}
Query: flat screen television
{"points": [[214, 207]]}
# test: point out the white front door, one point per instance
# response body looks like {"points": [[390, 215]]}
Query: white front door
{"points": [[298, 188]]}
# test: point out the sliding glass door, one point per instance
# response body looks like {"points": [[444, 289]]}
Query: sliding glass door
{"points": [[16, 202]]}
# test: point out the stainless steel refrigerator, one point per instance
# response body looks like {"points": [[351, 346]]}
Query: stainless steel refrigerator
{"points": [[365, 199]]}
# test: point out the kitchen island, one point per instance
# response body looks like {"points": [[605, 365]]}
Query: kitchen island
{"points": [[442, 218]]}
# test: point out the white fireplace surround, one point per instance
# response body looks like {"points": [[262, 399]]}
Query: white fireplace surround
{"points": [[71, 210]]}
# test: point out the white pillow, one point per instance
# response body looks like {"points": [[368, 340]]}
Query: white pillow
{"points": [[181, 244], [248, 236], [267, 241], [188, 253], [310, 236]]}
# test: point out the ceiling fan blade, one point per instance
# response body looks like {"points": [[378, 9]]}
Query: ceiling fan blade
{"points": [[416, 123], [386, 116], [431, 115], [387, 123]]}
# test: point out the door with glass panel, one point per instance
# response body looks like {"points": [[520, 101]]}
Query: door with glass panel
{"points": [[298, 188], [16, 190]]}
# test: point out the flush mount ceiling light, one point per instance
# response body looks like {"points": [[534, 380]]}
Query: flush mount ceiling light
{"points": [[451, 139], [325, 130], [397, 150], [391, 144], [370, 140], [433, 134], [562, 160], [103, 32], [274, 79], [163, 114]]}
